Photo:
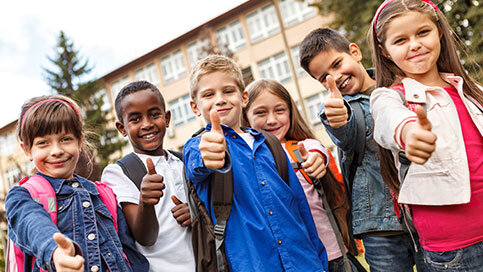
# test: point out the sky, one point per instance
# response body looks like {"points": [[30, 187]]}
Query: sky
{"points": [[107, 33]]}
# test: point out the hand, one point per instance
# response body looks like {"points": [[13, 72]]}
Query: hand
{"points": [[335, 110], [64, 255], [313, 164], [419, 140], [152, 185], [181, 212], [213, 145]]}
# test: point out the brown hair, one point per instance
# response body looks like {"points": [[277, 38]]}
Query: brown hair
{"points": [[299, 131], [388, 73], [51, 114], [211, 64]]}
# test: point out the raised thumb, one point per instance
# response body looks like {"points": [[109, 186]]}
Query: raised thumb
{"points": [[303, 151], [422, 117], [64, 243], [332, 87], [215, 121], [150, 164], [175, 200]]}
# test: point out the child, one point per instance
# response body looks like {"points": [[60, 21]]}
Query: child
{"points": [[270, 227], [155, 216], [414, 51], [50, 129], [336, 63], [271, 108]]}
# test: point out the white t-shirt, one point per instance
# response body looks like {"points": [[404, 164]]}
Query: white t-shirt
{"points": [[173, 249]]}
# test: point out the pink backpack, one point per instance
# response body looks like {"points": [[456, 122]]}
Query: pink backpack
{"points": [[42, 192]]}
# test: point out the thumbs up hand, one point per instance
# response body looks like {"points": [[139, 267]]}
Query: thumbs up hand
{"points": [[64, 255], [335, 110], [419, 140], [181, 212], [152, 185], [212, 145], [313, 164]]}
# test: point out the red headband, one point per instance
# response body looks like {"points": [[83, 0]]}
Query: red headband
{"points": [[389, 1], [42, 102]]}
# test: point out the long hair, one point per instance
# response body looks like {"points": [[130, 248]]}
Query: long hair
{"points": [[388, 73], [299, 131]]}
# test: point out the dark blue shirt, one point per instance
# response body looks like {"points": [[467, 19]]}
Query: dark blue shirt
{"points": [[270, 227], [82, 217]]}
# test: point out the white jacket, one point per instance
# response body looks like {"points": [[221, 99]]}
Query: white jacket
{"points": [[444, 179]]}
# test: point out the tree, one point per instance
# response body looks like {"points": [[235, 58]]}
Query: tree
{"points": [[68, 78], [353, 19]]}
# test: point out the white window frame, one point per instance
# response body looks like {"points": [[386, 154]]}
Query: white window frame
{"points": [[262, 23], [11, 176], [232, 36], [296, 60], [276, 67], [313, 104], [117, 85], [181, 112], [173, 66], [8, 144], [148, 73], [294, 12]]}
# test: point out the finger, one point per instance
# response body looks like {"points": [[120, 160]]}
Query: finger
{"points": [[150, 164], [175, 200], [303, 151], [215, 121], [71, 264], [422, 117], [64, 242], [332, 87]]}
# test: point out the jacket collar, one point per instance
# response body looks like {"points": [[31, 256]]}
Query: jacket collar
{"points": [[57, 183], [416, 91]]}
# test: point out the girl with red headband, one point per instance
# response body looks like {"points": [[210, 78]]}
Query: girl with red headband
{"points": [[428, 112]]}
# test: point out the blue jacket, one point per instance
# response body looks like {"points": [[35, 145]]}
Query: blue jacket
{"points": [[82, 217], [372, 208], [270, 227]]}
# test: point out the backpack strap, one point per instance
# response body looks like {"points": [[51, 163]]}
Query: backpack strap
{"points": [[278, 154], [292, 148], [43, 193], [133, 168], [360, 146], [107, 196]]}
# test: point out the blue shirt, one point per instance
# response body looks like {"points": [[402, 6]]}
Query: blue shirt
{"points": [[82, 217], [270, 227]]}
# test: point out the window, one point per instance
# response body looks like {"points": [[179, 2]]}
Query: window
{"points": [[148, 73], [117, 85], [181, 110], [195, 51], [313, 104], [12, 176], [232, 36], [8, 144], [262, 23], [173, 66], [295, 11], [276, 68], [296, 61]]}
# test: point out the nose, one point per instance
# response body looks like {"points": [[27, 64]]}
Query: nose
{"points": [[146, 124], [220, 99], [56, 150], [271, 118], [414, 44]]}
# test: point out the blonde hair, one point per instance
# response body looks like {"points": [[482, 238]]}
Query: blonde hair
{"points": [[211, 64], [299, 130], [388, 73]]}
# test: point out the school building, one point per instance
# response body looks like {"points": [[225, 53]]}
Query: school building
{"points": [[263, 35]]}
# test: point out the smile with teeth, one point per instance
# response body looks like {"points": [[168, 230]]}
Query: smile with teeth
{"points": [[344, 83], [149, 136]]}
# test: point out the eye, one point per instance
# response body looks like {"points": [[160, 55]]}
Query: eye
{"points": [[337, 63], [207, 94], [259, 112], [155, 114], [424, 32], [399, 41], [134, 119], [67, 138], [229, 90], [280, 110]]}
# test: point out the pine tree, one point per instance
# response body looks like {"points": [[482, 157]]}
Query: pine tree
{"points": [[69, 78], [353, 19]]}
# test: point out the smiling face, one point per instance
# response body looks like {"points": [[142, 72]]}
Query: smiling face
{"points": [[55, 155], [347, 70], [413, 44], [144, 121], [219, 90], [270, 113]]}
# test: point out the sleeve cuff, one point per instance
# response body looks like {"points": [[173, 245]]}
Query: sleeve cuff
{"points": [[397, 133]]}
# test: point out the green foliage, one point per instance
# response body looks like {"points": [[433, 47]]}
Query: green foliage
{"points": [[353, 19], [68, 79]]}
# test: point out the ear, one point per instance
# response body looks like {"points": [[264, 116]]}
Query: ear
{"points": [[195, 108], [27, 151], [384, 52], [244, 99], [120, 127], [355, 52], [167, 118]]}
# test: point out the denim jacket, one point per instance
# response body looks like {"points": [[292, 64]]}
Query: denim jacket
{"points": [[372, 208], [82, 217]]}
